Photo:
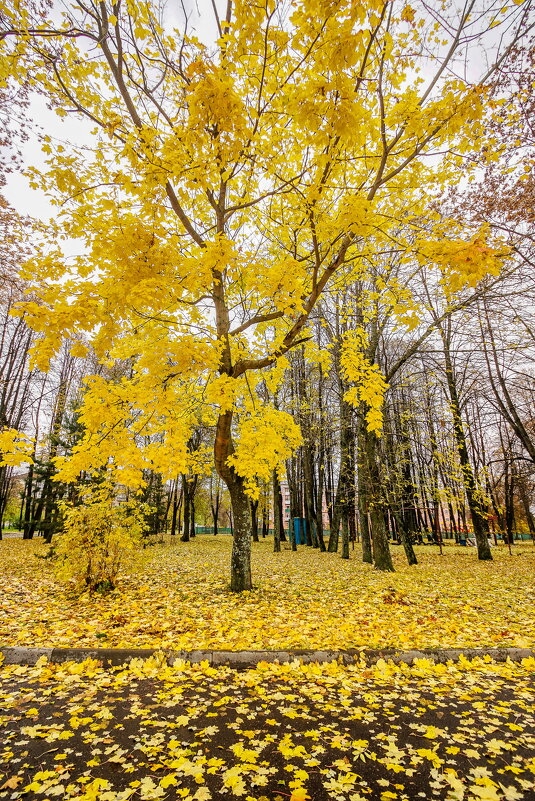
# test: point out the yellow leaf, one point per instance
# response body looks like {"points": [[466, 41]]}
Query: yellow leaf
{"points": [[299, 794], [168, 780]]}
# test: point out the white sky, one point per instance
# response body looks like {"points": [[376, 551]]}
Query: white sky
{"points": [[18, 191]]}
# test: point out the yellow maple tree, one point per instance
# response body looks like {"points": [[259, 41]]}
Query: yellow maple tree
{"points": [[227, 185]]}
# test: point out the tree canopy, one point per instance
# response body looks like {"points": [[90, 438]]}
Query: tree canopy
{"points": [[228, 185]]}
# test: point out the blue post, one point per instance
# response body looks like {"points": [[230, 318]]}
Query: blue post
{"points": [[299, 530]]}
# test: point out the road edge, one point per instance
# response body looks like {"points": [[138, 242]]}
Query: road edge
{"points": [[21, 655]]}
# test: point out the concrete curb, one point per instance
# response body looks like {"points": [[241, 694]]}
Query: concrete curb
{"points": [[244, 659]]}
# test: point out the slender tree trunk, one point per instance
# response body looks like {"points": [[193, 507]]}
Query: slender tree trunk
{"points": [[192, 515], [345, 537], [317, 520], [462, 518], [400, 460], [214, 507], [344, 509], [406, 539], [215, 500], [524, 497], [291, 535], [334, 533], [444, 521], [321, 464], [28, 529], [310, 512], [254, 520], [5, 486], [277, 513], [453, 520], [20, 523], [329, 484], [508, 487], [307, 452], [186, 524], [362, 483], [176, 503], [265, 519], [479, 520]]}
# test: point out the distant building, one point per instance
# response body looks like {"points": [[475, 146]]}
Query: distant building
{"points": [[285, 490]]}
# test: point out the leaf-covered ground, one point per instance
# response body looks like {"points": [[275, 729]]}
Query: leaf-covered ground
{"points": [[275, 733], [176, 596]]}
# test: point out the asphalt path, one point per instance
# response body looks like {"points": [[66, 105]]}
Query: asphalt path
{"points": [[149, 730]]}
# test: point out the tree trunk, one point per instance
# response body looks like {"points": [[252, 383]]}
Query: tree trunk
{"points": [[479, 520], [382, 559], [186, 530], [508, 489], [307, 455], [524, 497], [240, 565], [334, 533], [291, 534], [329, 485], [362, 483], [177, 500], [407, 530], [402, 510], [192, 516], [345, 537], [406, 539], [310, 512], [277, 513], [344, 505], [28, 530], [254, 520], [265, 520], [321, 465]]}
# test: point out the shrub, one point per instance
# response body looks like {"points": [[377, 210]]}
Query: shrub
{"points": [[95, 539]]}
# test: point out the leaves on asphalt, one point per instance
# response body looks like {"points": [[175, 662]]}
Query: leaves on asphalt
{"points": [[291, 732]]}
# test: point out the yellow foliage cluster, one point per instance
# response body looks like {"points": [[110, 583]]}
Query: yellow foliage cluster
{"points": [[266, 440], [95, 537], [465, 263], [214, 102], [222, 391], [15, 447], [132, 424], [369, 385]]}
